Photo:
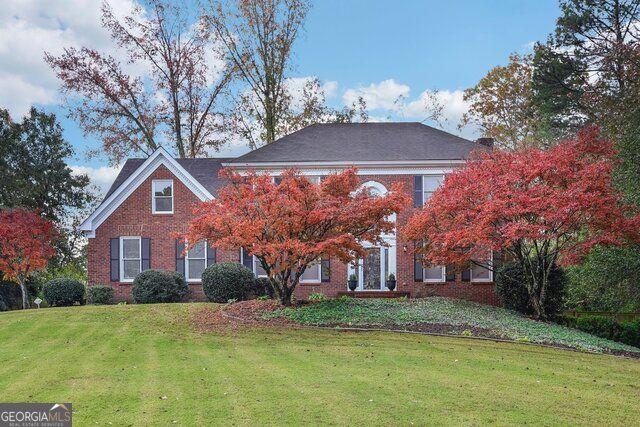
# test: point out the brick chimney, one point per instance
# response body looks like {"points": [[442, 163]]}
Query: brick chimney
{"points": [[487, 142]]}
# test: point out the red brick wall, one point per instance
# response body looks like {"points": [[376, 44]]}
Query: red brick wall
{"points": [[134, 218]]}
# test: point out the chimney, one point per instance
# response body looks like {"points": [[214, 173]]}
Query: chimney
{"points": [[487, 142]]}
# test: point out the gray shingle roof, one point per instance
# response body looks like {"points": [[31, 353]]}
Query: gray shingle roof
{"points": [[363, 142], [205, 171]]}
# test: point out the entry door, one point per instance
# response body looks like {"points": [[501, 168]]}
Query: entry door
{"points": [[371, 270]]}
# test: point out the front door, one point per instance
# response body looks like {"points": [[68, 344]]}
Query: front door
{"points": [[371, 270]]}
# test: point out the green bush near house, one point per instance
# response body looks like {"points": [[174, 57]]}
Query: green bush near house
{"points": [[606, 327], [159, 286], [511, 290], [227, 281], [63, 292], [261, 287], [100, 295]]}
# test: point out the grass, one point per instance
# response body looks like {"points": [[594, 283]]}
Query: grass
{"points": [[145, 364], [402, 313]]}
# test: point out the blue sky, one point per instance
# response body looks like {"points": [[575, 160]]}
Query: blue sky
{"points": [[378, 49]]}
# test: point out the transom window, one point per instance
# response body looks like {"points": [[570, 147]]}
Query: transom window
{"points": [[130, 258], [196, 261], [162, 196], [430, 184]]}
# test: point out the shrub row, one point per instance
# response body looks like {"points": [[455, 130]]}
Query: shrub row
{"points": [[606, 327]]}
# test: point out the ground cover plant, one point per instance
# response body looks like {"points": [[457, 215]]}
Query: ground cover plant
{"points": [[149, 365], [463, 315]]}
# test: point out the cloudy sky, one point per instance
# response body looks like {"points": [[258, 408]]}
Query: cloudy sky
{"points": [[378, 49]]}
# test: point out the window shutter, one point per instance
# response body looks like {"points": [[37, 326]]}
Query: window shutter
{"points": [[418, 272], [450, 273], [211, 255], [325, 270], [247, 260], [146, 254], [466, 275], [180, 256], [277, 180], [114, 251], [417, 191], [497, 261]]}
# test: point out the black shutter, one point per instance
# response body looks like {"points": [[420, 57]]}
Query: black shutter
{"points": [[417, 191], [247, 260], [146, 254], [211, 255], [114, 251], [466, 275], [277, 180], [325, 270], [450, 273], [418, 273], [180, 256]]}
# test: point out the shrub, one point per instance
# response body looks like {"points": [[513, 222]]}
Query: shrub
{"points": [[157, 286], [225, 281], [3, 305], [10, 295], [63, 292], [513, 294], [261, 287], [607, 327], [317, 297], [100, 294]]}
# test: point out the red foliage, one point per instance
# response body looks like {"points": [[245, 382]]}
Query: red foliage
{"points": [[558, 203], [289, 225], [25, 245]]}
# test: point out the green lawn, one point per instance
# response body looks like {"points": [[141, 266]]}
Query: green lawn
{"points": [[136, 365], [464, 316]]}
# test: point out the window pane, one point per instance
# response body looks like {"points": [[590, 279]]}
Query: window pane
{"points": [[480, 273], [196, 267], [131, 248], [312, 273], [259, 270], [164, 204], [432, 182], [131, 269], [162, 188], [197, 251], [433, 273]]}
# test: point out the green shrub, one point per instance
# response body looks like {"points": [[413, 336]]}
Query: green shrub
{"points": [[317, 297], [10, 295], [607, 327], [227, 280], [261, 287], [513, 294], [630, 333], [100, 294], [158, 286], [3, 305], [63, 292]]}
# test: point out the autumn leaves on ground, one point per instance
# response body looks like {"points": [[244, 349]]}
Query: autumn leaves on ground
{"points": [[149, 364]]}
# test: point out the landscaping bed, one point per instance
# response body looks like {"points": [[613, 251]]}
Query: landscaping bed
{"points": [[447, 316]]}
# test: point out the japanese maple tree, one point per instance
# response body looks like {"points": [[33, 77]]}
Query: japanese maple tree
{"points": [[540, 207], [294, 223], [25, 246]]}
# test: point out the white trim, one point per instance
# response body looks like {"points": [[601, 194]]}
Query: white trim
{"points": [[361, 171], [122, 260], [153, 197], [319, 280], [342, 163], [186, 263], [471, 279], [111, 203], [443, 277]]}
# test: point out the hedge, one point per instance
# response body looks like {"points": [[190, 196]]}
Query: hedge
{"points": [[100, 294], [63, 292], [158, 286], [227, 281]]}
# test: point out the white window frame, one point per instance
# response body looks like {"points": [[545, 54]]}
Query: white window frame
{"points": [[319, 279], [153, 197], [186, 263], [443, 276], [424, 199], [256, 264], [490, 279], [122, 258]]}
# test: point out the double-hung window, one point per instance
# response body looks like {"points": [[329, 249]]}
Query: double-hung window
{"points": [[434, 274], [196, 261], [480, 273], [162, 200], [312, 273], [430, 184], [130, 258]]}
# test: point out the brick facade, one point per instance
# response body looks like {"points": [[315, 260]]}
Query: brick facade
{"points": [[134, 218]]}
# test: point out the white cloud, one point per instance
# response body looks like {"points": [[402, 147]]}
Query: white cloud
{"points": [[382, 95], [102, 177], [28, 28]]}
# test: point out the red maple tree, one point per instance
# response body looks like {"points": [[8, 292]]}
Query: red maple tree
{"points": [[25, 246], [294, 223], [540, 207]]}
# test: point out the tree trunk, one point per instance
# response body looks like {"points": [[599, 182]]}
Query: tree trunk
{"points": [[25, 296], [285, 296]]}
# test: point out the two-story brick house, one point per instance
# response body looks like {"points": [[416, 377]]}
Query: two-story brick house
{"points": [[152, 199]]}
